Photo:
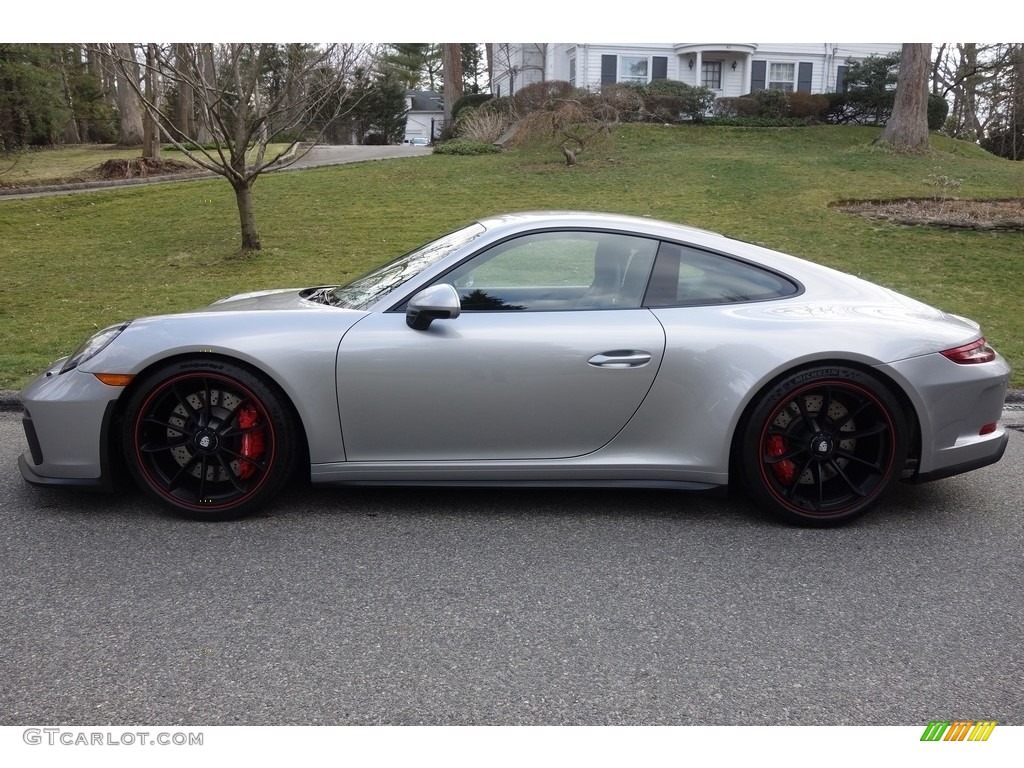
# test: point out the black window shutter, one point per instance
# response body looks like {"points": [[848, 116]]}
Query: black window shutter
{"points": [[659, 68], [841, 79], [758, 73], [608, 69], [803, 78]]}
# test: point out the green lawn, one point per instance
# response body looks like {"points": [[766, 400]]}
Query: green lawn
{"points": [[73, 264]]}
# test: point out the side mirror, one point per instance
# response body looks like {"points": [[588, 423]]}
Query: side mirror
{"points": [[438, 302]]}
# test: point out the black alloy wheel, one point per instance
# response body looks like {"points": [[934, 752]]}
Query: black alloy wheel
{"points": [[211, 439], [823, 445]]}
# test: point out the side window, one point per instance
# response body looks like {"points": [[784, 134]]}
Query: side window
{"points": [[550, 271], [686, 276]]}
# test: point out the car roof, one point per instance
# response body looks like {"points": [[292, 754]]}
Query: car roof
{"points": [[594, 219]]}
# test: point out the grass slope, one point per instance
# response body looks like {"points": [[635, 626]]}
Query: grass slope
{"points": [[74, 264]]}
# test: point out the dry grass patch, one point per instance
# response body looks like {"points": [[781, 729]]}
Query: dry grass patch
{"points": [[138, 168], [981, 215]]}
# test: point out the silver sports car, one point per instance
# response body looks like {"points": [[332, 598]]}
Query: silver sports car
{"points": [[534, 349]]}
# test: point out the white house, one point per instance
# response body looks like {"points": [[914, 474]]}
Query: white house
{"points": [[425, 114], [728, 69]]}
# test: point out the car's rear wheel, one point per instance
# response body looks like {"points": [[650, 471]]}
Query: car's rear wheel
{"points": [[211, 439], [823, 444]]}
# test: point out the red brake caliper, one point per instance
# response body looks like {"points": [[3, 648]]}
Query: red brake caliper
{"points": [[784, 470], [253, 444]]}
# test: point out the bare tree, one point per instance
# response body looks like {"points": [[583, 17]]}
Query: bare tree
{"points": [[907, 127], [432, 73], [243, 110], [572, 120], [61, 54], [1004, 130], [983, 84], [98, 65], [965, 73], [521, 63], [578, 124]]}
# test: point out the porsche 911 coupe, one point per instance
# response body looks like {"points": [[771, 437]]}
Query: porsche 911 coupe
{"points": [[534, 349]]}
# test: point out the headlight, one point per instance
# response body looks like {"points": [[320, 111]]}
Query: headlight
{"points": [[92, 347]]}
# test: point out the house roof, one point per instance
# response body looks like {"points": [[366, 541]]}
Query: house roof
{"points": [[425, 101]]}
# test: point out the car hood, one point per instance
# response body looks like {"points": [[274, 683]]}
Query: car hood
{"points": [[258, 328], [278, 298]]}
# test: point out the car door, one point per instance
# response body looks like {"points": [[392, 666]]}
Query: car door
{"points": [[550, 357]]}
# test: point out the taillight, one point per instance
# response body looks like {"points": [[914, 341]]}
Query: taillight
{"points": [[975, 352]]}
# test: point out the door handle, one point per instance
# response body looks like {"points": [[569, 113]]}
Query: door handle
{"points": [[621, 358]]}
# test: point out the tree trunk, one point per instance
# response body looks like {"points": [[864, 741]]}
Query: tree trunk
{"points": [[971, 86], [451, 62], [907, 127], [128, 108], [94, 69], [185, 103], [204, 133], [246, 215], [71, 134], [150, 130]]}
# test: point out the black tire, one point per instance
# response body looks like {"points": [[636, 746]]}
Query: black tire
{"points": [[209, 438], [822, 445]]}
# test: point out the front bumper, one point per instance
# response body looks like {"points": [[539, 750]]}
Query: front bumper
{"points": [[68, 420]]}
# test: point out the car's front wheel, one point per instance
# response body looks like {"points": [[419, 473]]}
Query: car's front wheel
{"points": [[210, 438], [823, 444]]}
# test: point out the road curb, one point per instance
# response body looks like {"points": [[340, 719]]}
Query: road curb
{"points": [[76, 186]]}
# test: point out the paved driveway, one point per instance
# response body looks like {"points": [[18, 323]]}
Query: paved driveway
{"points": [[336, 155]]}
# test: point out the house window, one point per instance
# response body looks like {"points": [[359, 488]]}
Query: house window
{"points": [[711, 75], [781, 77], [633, 69], [841, 79], [572, 72]]}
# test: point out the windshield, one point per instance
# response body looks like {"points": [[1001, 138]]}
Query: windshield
{"points": [[375, 285]]}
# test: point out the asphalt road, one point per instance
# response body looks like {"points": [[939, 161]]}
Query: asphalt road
{"points": [[439, 607]]}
